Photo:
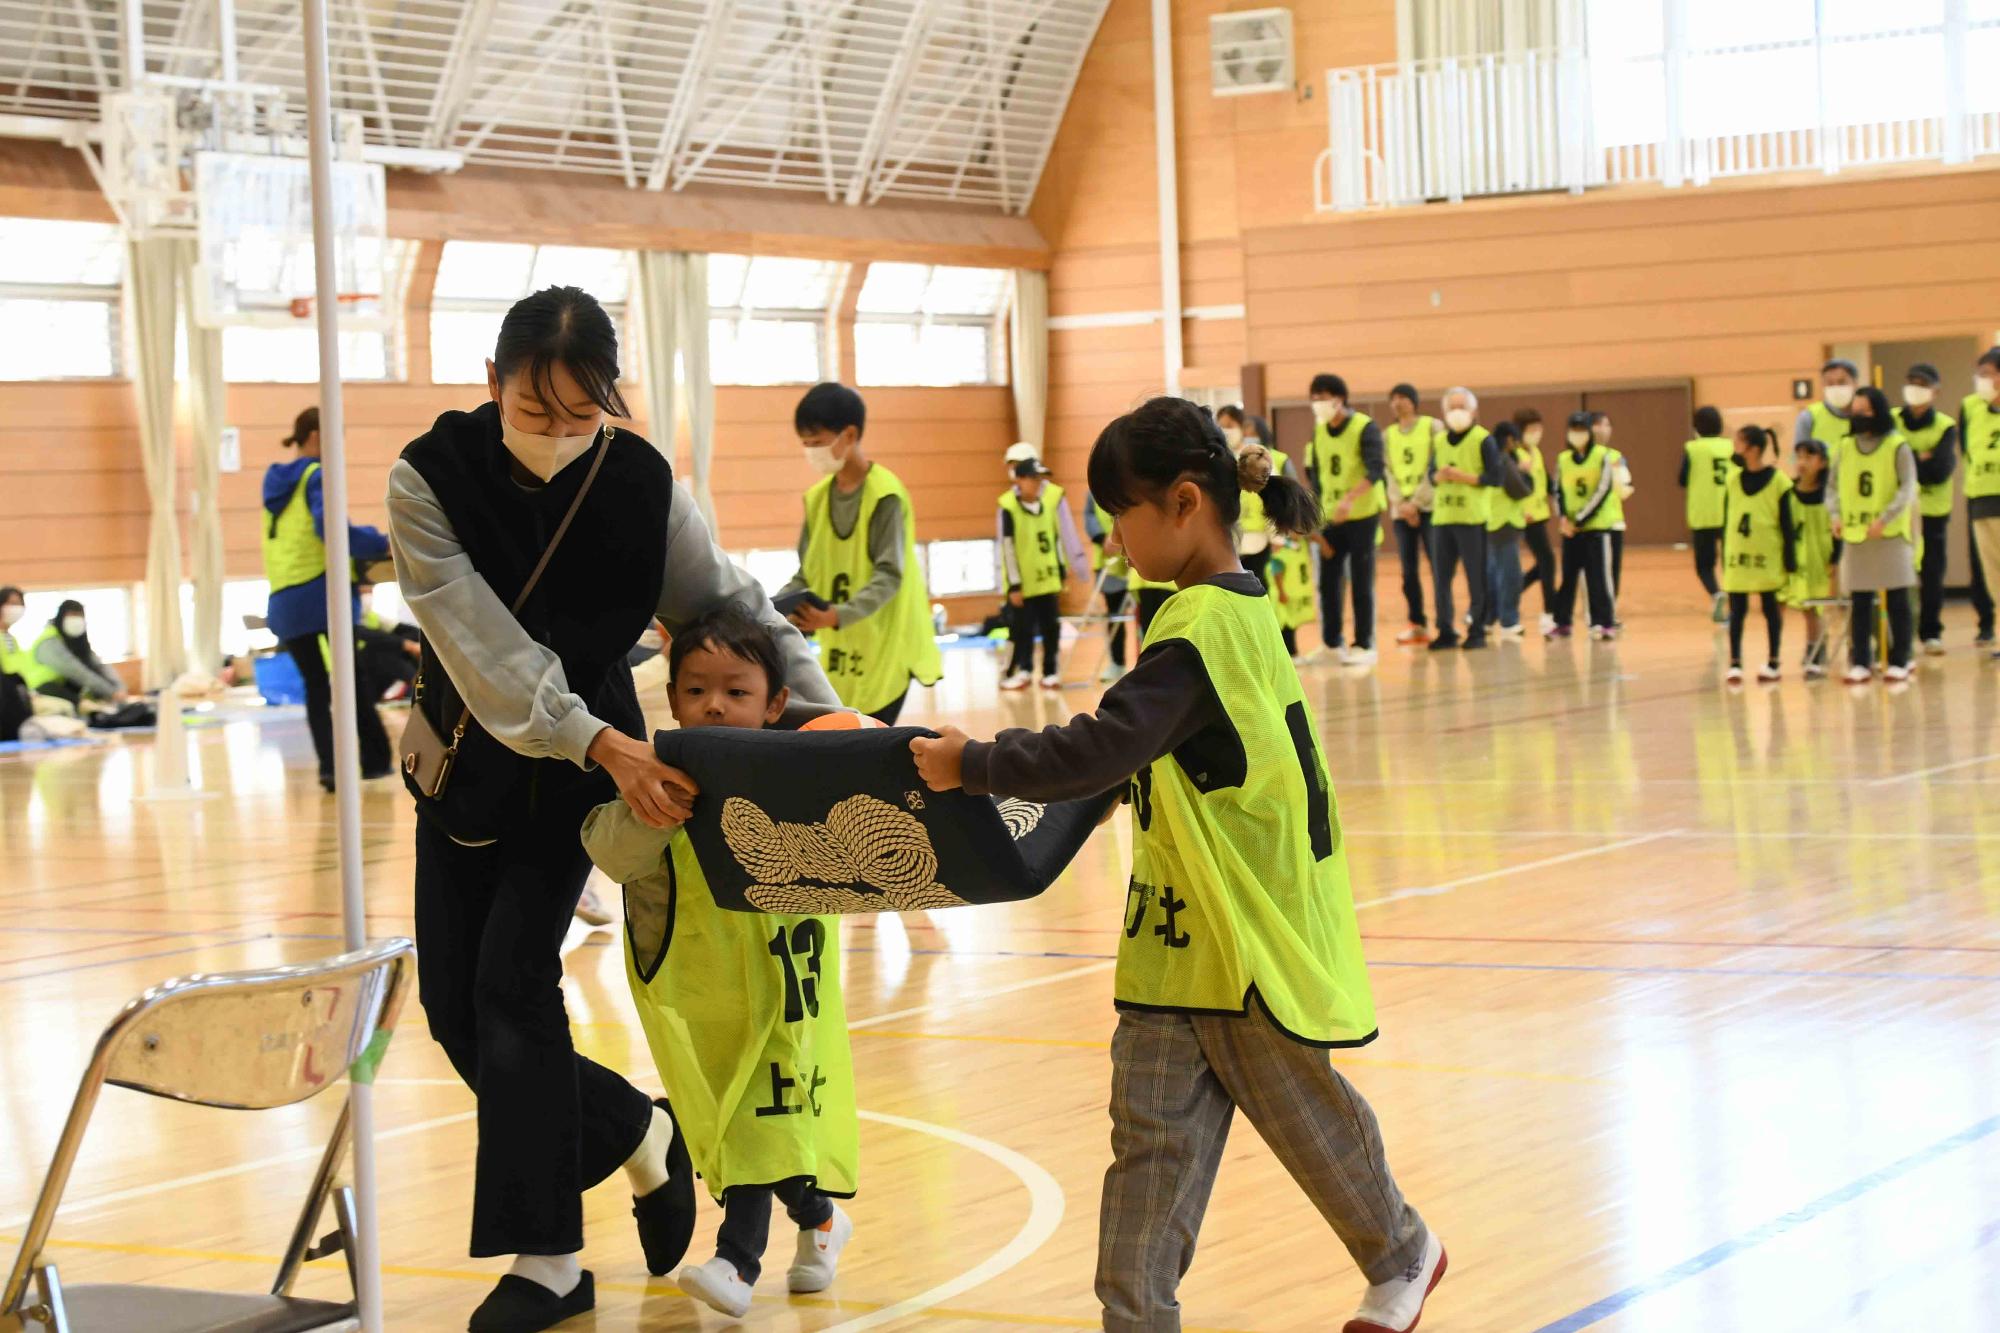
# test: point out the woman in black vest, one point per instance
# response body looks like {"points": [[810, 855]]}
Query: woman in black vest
{"points": [[556, 729]]}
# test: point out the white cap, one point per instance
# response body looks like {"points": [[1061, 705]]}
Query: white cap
{"points": [[1018, 453]]}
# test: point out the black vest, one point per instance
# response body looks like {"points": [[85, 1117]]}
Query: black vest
{"points": [[598, 595]]}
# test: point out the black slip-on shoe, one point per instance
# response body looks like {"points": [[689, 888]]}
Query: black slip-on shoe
{"points": [[666, 1216], [519, 1305]]}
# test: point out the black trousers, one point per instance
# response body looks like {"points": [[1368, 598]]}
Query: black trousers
{"points": [[1150, 602], [490, 925], [1861, 628], [1353, 559], [1114, 607], [1707, 551], [1545, 568], [1410, 539], [889, 712], [1739, 613], [1589, 555], [746, 1221], [1453, 544], [319, 709], [1617, 562], [1038, 617]]}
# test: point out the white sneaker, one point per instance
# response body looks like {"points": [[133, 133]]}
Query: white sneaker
{"points": [[1111, 673], [1858, 675], [1815, 671], [1733, 676], [1895, 675], [1768, 672], [1395, 1306], [1933, 647], [819, 1254], [1514, 631], [1357, 657], [1548, 623], [717, 1285], [1051, 682], [1017, 680]]}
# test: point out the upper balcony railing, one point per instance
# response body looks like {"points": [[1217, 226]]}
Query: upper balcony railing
{"points": [[1455, 129]]}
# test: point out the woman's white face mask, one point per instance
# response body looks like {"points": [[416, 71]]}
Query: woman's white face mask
{"points": [[1838, 396], [544, 455], [10, 615], [1324, 409], [1233, 434], [1533, 436], [1918, 395], [73, 626], [1986, 387], [1458, 419]]}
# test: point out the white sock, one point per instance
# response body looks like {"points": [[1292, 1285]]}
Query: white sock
{"points": [[647, 1166], [558, 1272]]}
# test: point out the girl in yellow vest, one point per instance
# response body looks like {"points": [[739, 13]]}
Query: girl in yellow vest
{"points": [[858, 558], [1038, 551], [743, 1011], [1759, 533], [1871, 502], [1290, 577], [1815, 552], [1979, 432], [1706, 461], [1590, 478], [1240, 963], [1535, 512]]}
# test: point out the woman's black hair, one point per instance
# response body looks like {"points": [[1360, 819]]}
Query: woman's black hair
{"points": [[1525, 417], [1707, 422], [1233, 412], [1990, 357], [736, 632], [1505, 433], [1817, 448], [1408, 391], [832, 408], [562, 326], [1878, 407], [10, 593], [1332, 384], [1165, 441], [1757, 437]]}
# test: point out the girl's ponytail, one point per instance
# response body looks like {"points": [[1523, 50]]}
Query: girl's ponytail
{"points": [[1292, 509]]}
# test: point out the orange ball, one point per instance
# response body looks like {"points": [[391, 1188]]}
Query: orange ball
{"points": [[841, 722]]}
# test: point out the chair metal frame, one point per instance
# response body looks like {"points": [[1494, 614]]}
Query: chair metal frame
{"points": [[381, 973]]}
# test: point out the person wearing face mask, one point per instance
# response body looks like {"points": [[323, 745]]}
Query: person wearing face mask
{"points": [[554, 730], [1933, 436], [858, 554], [1979, 434], [1600, 431], [1465, 466], [1535, 516], [295, 564], [1039, 550], [16, 700], [62, 664], [1826, 419], [1347, 465], [1408, 441], [1590, 476], [1253, 526], [1705, 464], [1871, 500]]}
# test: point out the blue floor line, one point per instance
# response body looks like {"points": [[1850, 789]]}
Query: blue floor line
{"points": [[1771, 1230]]}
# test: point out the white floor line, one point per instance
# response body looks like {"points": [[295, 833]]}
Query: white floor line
{"points": [[1433, 890], [1045, 1214], [966, 997], [1941, 768]]}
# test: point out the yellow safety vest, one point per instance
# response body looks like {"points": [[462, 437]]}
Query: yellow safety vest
{"points": [[1536, 507], [1038, 541], [1753, 539], [1827, 428], [1933, 501], [1867, 485], [1979, 435], [1253, 518], [31, 669], [871, 662], [294, 552], [1709, 460], [1502, 509], [1454, 503], [1334, 459], [1409, 453], [1239, 890], [1578, 479], [1296, 605]]}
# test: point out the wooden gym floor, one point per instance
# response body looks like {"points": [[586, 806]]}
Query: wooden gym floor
{"points": [[1688, 1005]]}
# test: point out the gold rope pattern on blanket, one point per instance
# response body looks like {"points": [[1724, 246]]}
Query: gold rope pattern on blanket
{"points": [[810, 869]]}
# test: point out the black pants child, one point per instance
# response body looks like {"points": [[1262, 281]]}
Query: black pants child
{"points": [[1410, 539], [305, 652], [1707, 550], [1038, 617], [746, 1221], [1545, 568], [1353, 557], [1861, 628], [1451, 545], [1774, 624], [1114, 607], [1587, 555]]}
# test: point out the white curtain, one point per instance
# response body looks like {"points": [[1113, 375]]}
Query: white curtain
{"points": [[152, 267], [673, 314], [1028, 344], [206, 420], [1440, 28]]}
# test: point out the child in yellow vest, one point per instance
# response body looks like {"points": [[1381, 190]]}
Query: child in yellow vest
{"points": [[1759, 534], [1815, 552], [1038, 550], [743, 1011], [1290, 576], [1240, 962]]}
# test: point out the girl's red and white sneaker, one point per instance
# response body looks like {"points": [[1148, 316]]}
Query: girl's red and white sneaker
{"points": [[1733, 676], [1395, 1306], [1768, 672]]}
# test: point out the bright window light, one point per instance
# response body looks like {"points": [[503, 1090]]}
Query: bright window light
{"points": [[107, 616], [461, 340], [962, 568], [58, 339], [764, 351], [478, 281], [772, 568], [240, 597], [923, 354], [255, 355], [767, 318], [484, 270], [929, 324], [59, 299]]}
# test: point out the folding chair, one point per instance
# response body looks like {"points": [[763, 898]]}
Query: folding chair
{"points": [[1092, 620], [248, 1041], [1834, 629]]}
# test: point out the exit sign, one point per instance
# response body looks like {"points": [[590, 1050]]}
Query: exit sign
{"points": [[1801, 390]]}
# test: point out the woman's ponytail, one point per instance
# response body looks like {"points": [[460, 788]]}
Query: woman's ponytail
{"points": [[1292, 509]]}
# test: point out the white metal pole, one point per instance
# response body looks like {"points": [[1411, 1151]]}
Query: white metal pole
{"points": [[1164, 146], [135, 44], [1954, 37], [340, 627], [1673, 59], [225, 37]]}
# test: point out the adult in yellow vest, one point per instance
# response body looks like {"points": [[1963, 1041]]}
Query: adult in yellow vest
{"points": [[1465, 467], [1506, 519], [858, 558], [1039, 549], [1759, 546], [1590, 480], [1535, 511], [60, 662], [1706, 461], [1346, 465], [1979, 432], [1934, 437], [295, 564], [16, 702], [1407, 440], [1871, 501], [1826, 419]]}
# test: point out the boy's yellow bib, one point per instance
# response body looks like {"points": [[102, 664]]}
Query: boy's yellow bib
{"points": [[871, 662], [1038, 541]]}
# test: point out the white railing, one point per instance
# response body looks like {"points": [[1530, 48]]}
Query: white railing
{"points": [[1448, 130]]}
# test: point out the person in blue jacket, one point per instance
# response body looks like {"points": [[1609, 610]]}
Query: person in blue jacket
{"points": [[295, 565]]}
